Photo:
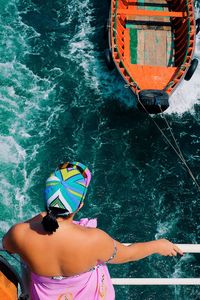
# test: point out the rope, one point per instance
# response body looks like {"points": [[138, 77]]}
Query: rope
{"points": [[177, 150]]}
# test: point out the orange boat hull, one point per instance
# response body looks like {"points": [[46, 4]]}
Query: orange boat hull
{"points": [[152, 43]]}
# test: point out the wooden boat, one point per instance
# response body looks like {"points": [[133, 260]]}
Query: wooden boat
{"points": [[151, 43]]}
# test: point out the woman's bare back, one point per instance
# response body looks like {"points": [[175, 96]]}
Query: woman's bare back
{"points": [[71, 250]]}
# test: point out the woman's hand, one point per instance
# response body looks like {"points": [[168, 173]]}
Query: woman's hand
{"points": [[166, 248]]}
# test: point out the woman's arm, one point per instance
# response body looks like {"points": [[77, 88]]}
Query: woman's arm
{"points": [[9, 239], [134, 251], [138, 251]]}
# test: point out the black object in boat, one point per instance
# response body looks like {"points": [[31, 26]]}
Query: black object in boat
{"points": [[153, 101]]}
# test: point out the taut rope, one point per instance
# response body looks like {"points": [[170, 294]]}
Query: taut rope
{"points": [[175, 147]]}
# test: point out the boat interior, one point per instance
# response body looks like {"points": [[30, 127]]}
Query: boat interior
{"points": [[153, 35]]}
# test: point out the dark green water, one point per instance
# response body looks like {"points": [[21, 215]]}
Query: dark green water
{"points": [[59, 102]]}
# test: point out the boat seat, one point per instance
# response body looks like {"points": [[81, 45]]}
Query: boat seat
{"points": [[149, 13], [145, 25], [144, 3]]}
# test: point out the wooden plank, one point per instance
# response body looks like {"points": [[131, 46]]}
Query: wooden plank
{"points": [[155, 48], [148, 26], [149, 48], [161, 3], [161, 48], [170, 49], [143, 12], [157, 4], [156, 1], [140, 53], [143, 2]]}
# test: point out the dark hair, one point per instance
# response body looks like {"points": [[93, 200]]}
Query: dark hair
{"points": [[49, 222]]}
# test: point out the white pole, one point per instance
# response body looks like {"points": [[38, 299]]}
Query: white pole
{"points": [[189, 248], [186, 248], [156, 281]]}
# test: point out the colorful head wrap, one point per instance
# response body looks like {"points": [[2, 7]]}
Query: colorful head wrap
{"points": [[66, 187]]}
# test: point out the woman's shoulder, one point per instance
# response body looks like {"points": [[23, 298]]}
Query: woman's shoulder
{"points": [[12, 238], [19, 229]]}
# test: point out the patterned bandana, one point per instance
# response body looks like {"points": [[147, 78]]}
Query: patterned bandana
{"points": [[66, 187]]}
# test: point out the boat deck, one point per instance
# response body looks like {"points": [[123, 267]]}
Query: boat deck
{"points": [[150, 37]]}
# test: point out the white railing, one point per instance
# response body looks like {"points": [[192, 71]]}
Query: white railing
{"points": [[156, 281], [186, 248]]}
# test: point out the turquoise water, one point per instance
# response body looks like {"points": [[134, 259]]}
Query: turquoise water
{"points": [[59, 102]]}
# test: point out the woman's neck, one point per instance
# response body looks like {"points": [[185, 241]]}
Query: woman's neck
{"points": [[68, 220]]}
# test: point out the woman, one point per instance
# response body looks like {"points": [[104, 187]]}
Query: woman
{"points": [[68, 259]]}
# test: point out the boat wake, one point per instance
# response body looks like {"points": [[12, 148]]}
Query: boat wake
{"points": [[188, 93], [24, 100]]}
